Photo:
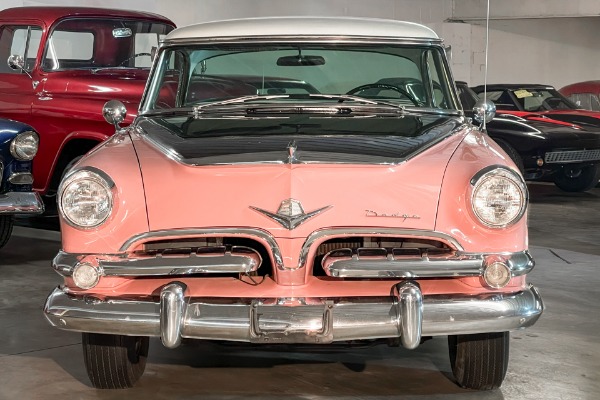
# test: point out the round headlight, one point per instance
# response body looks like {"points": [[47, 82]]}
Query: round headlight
{"points": [[86, 198], [25, 146], [499, 198]]}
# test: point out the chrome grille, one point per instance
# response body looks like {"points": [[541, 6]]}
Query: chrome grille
{"points": [[555, 157]]}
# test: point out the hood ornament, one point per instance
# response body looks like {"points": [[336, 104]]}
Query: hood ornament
{"points": [[290, 213], [292, 147]]}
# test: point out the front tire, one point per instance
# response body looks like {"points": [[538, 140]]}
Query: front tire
{"points": [[479, 361], [6, 227], [114, 361], [577, 180]]}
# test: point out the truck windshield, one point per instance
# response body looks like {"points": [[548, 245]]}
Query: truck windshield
{"points": [[78, 43], [191, 75]]}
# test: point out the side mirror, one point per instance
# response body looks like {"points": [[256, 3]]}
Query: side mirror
{"points": [[17, 63], [114, 112], [484, 112]]}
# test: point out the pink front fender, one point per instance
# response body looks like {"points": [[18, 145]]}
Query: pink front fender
{"points": [[455, 217], [129, 205]]}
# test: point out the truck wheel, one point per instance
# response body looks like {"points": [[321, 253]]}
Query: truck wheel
{"points": [[577, 179], [512, 153], [114, 361], [6, 226], [479, 361]]}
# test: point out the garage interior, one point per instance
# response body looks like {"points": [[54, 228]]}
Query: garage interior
{"points": [[558, 358]]}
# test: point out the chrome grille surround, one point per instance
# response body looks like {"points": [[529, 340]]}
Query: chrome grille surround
{"points": [[571, 156]]}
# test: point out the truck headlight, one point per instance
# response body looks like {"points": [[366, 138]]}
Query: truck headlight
{"points": [[499, 197], [25, 146], [85, 198]]}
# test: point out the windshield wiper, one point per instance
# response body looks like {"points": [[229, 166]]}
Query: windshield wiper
{"points": [[199, 109], [358, 99], [238, 100]]}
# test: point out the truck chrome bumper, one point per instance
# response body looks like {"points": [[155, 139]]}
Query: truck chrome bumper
{"points": [[407, 314], [21, 203]]}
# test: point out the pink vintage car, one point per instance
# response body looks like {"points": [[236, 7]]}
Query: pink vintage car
{"points": [[227, 212], [59, 65]]}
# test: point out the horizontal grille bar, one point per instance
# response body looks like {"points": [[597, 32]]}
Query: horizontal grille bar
{"points": [[220, 259], [400, 263], [559, 157]]}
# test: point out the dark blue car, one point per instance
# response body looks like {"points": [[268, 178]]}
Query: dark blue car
{"points": [[18, 146]]}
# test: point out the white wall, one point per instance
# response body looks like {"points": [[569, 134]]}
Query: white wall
{"points": [[556, 51]]}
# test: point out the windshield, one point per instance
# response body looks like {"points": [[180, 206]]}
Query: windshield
{"points": [[411, 76], [92, 43], [534, 99]]}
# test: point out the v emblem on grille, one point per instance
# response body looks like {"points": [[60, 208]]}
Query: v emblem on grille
{"points": [[290, 213]]}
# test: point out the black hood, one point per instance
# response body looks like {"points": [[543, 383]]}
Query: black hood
{"points": [[296, 138]]}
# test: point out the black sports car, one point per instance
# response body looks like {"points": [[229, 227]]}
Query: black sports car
{"points": [[544, 148]]}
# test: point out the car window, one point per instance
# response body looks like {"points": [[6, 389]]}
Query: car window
{"points": [[589, 101], [532, 99], [19, 40], [78, 43]]}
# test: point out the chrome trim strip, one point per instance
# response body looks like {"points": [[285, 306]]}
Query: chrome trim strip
{"points": [[317, 237], [20, 178], [305, 39], [238, 259], [1, 171], [21, 203], [352, 318], [253, 233], [456, 265]]}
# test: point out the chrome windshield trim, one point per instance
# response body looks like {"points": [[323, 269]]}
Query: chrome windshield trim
{"points": [[305, 39], [262, 236]]}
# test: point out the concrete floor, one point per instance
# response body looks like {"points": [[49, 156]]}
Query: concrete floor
{"points": [[558, 358]]}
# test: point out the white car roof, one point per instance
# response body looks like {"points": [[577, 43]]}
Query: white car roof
{"points": [[303, 26]]}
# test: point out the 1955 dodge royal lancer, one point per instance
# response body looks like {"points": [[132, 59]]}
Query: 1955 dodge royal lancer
{"points": [[265, 194]]}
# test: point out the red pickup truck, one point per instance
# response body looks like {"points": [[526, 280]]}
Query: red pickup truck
{"points": [[61, 64]]}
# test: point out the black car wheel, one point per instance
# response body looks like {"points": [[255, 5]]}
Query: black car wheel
{"points": [[6, 227], [512, 153], [572, 179], [479, 361], [114, 361]]}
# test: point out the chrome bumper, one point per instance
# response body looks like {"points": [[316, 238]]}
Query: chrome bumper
{"points": [[406, 314], [21, 203]]}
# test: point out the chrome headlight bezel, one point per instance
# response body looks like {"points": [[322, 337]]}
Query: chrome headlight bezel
{"points": [[73, 181], [510, 177], [20, 143]]}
